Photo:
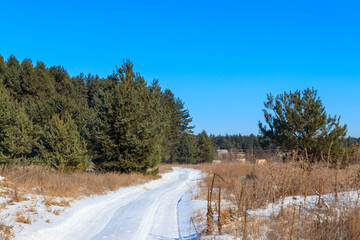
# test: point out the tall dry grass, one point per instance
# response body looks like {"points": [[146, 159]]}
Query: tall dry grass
{"points": [[250, 186], [33, 179]]}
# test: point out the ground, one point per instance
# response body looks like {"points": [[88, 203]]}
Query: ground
{"points": [[160, 209]]}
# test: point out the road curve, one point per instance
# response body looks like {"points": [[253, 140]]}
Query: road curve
{"points": [[159, 209]]}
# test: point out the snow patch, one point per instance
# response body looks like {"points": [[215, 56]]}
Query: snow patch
{"points": [[160, 209]]}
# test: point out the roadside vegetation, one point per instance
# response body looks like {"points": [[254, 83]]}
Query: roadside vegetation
{"points": [[54, 127], [119, 123], [308, 187], [246, 188], [35, 180]]}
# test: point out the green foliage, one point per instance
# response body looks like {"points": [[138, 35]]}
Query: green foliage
{"points": [[206, 149], [131, 130], [187, 151], [249, 144], [12, 77], [177, 122], [63, 149], [298, 121], [93, 88], [27, 78], [17, 134], [43, 81], [63, 84], [2, 69], [118, 122]]}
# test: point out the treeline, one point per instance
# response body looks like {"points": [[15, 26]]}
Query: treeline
{"points": [[118, 123], [257, 146], [247, 144]]}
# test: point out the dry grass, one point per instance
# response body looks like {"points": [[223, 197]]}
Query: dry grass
{"points": [[6, 232], [21, 218], [250, 186], [48, 201], [58, 189], [35, 180]]}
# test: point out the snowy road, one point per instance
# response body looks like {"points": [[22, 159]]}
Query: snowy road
{"points": [[160, 209]]}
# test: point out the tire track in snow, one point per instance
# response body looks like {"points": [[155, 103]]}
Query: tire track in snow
{"points": [[148, 211]]}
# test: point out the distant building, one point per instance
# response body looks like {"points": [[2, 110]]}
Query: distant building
{"points": [[234, 155], [222, 154]]}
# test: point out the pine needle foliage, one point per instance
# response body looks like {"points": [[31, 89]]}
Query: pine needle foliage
{"points": [[298, 121], [118, 123]]}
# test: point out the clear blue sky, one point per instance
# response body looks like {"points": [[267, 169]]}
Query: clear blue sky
{"points": [[220, 57]]}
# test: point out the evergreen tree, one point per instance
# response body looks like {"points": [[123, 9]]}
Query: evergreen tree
{"points": [[40, 108], [93, 88], [80, 89], [183, 117], [187, 151], [27, 78], [12, 77], [63, 84], [172, 130], [17, 134], [177, 121], [44, 82], [2, 69], [206, 149], [299, 122], [127, 125], [63, 148], [131, 129]]}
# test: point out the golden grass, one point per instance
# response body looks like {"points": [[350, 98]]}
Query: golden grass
{"points": [[54, 186], [250, 186], [35, 180], [21, 218], [6, 232]]}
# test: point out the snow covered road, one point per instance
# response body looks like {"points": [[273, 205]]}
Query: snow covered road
{"points": [[160, 209]]}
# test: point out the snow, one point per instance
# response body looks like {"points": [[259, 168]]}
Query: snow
{"points": [[1, 178], [309, 202], [160, 209]]}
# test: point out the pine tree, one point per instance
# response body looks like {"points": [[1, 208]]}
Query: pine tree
{"points": [[206, 149], [28, 82], [63, 84], [93, 88], [2, 69], [131, 130], [183, 117], [17, 134], [187, 151], [299, 122], [177, 121], [172, 131], [44, 81], [41, 107], [63, 148], [12, 77]]}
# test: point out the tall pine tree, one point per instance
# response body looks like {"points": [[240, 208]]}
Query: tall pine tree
{"points": [[12, 77], [298, 121], [17, 134], [63, 148], [131, 129], [206, 149]]}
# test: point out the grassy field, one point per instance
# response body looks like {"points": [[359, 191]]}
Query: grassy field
{"points": [[26, 189], [35, 180], [310, 203]]}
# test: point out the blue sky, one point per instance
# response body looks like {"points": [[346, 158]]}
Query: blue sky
{"points": [[220, 57]]}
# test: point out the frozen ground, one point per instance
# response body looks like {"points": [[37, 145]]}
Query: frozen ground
{"points": [[310, 203], [160, 209], [307, 204]]}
